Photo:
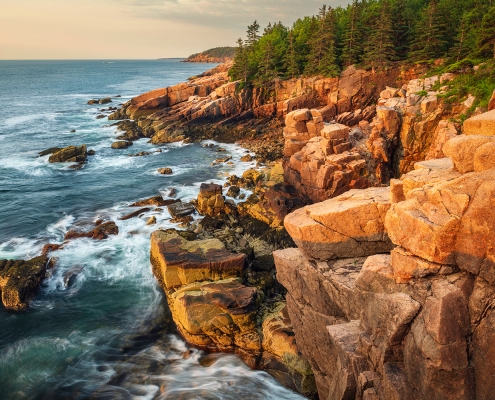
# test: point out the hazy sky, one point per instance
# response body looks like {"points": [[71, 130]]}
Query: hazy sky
{"points": [[135, 29]]}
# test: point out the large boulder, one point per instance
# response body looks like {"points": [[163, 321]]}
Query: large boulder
{"points": [[69, 154], [483, 124], [220, 314], [20, 281], [210, 199], [177, 261], [462, 150], [448, 223], [350, 225], [281, 357]]}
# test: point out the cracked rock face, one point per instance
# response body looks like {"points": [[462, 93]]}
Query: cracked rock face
{"points": [[350, 225], [413, 324]]}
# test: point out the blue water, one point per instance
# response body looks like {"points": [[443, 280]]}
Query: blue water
{"points": [[92, 339]]}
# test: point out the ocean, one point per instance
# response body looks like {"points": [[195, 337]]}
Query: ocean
{"points": [[107, 333]]}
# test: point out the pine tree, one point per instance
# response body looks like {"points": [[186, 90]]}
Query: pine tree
{"points": [[486, 39], [253, 34], [322, 58], [352, 39], [380, 49], [267, 72], [429, 40], [460, 49], [239, 70], [402, 28], [290, 60]]}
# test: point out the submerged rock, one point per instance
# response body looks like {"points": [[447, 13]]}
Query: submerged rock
{"points": [[165, 171], [134, 214], [20, 280], [180, 209], [121, 145], [154, 201], [102, 231]]}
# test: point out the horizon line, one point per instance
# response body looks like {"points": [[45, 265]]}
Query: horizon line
{"points": [[92, 59]]}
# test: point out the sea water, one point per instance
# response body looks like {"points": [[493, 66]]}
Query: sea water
{"points": [[106, 332]]}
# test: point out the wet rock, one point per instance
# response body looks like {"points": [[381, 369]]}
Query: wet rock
{"points": [[151, 221], [48, 248], [131, 130], [180, 209], [20, 280], [154, 201], [69, 154], [177, 261], [51, 150], [233, 191], [101, 232], [105, 100], [134, 214], [247, 158], [71, 275], [100, 116], [165, 171], [121, 144], [282, 358]]}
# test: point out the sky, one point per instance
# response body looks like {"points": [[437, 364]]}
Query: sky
{"points": [[135, 29]]}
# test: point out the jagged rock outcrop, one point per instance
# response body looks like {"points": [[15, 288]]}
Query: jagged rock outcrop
{"points": [[20, 281], [101, 232], [423, 128], [214, 310], [168, 114], [210, 199], [415, 323], [69, 154], [322, 163]]}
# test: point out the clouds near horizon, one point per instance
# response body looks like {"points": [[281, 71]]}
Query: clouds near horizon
{"points": [[59, 29]]}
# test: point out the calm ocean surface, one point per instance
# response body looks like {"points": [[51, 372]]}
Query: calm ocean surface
{"points": [[107, 335]]}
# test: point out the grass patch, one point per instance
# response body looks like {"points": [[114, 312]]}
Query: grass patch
{"points": [[479, 83]]}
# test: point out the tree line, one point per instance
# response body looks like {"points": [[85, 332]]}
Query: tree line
{"points": [[373, 34]]}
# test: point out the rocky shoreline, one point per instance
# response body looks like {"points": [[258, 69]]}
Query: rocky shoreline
{"points": [[342, 315]]}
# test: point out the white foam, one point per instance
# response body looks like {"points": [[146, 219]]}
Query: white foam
{"points": [[22, 119]]}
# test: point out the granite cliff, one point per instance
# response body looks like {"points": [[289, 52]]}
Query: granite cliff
{"points": [[390, 289]]}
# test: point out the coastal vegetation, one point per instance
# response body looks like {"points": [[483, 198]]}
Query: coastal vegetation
{"points": [[371, 34], [217, 54]]}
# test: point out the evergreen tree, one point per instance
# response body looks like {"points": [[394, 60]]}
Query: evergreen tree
{"points": [[290, 60], [322, 57], [402, 28], [460, 49], [380, 49], [429, 36], [486, 39], [252, 34], [239, 70], [352, 38], [267, 71]]}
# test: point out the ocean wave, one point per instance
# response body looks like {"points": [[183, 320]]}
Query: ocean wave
{"points": [[20, 248], [22, 119]]}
